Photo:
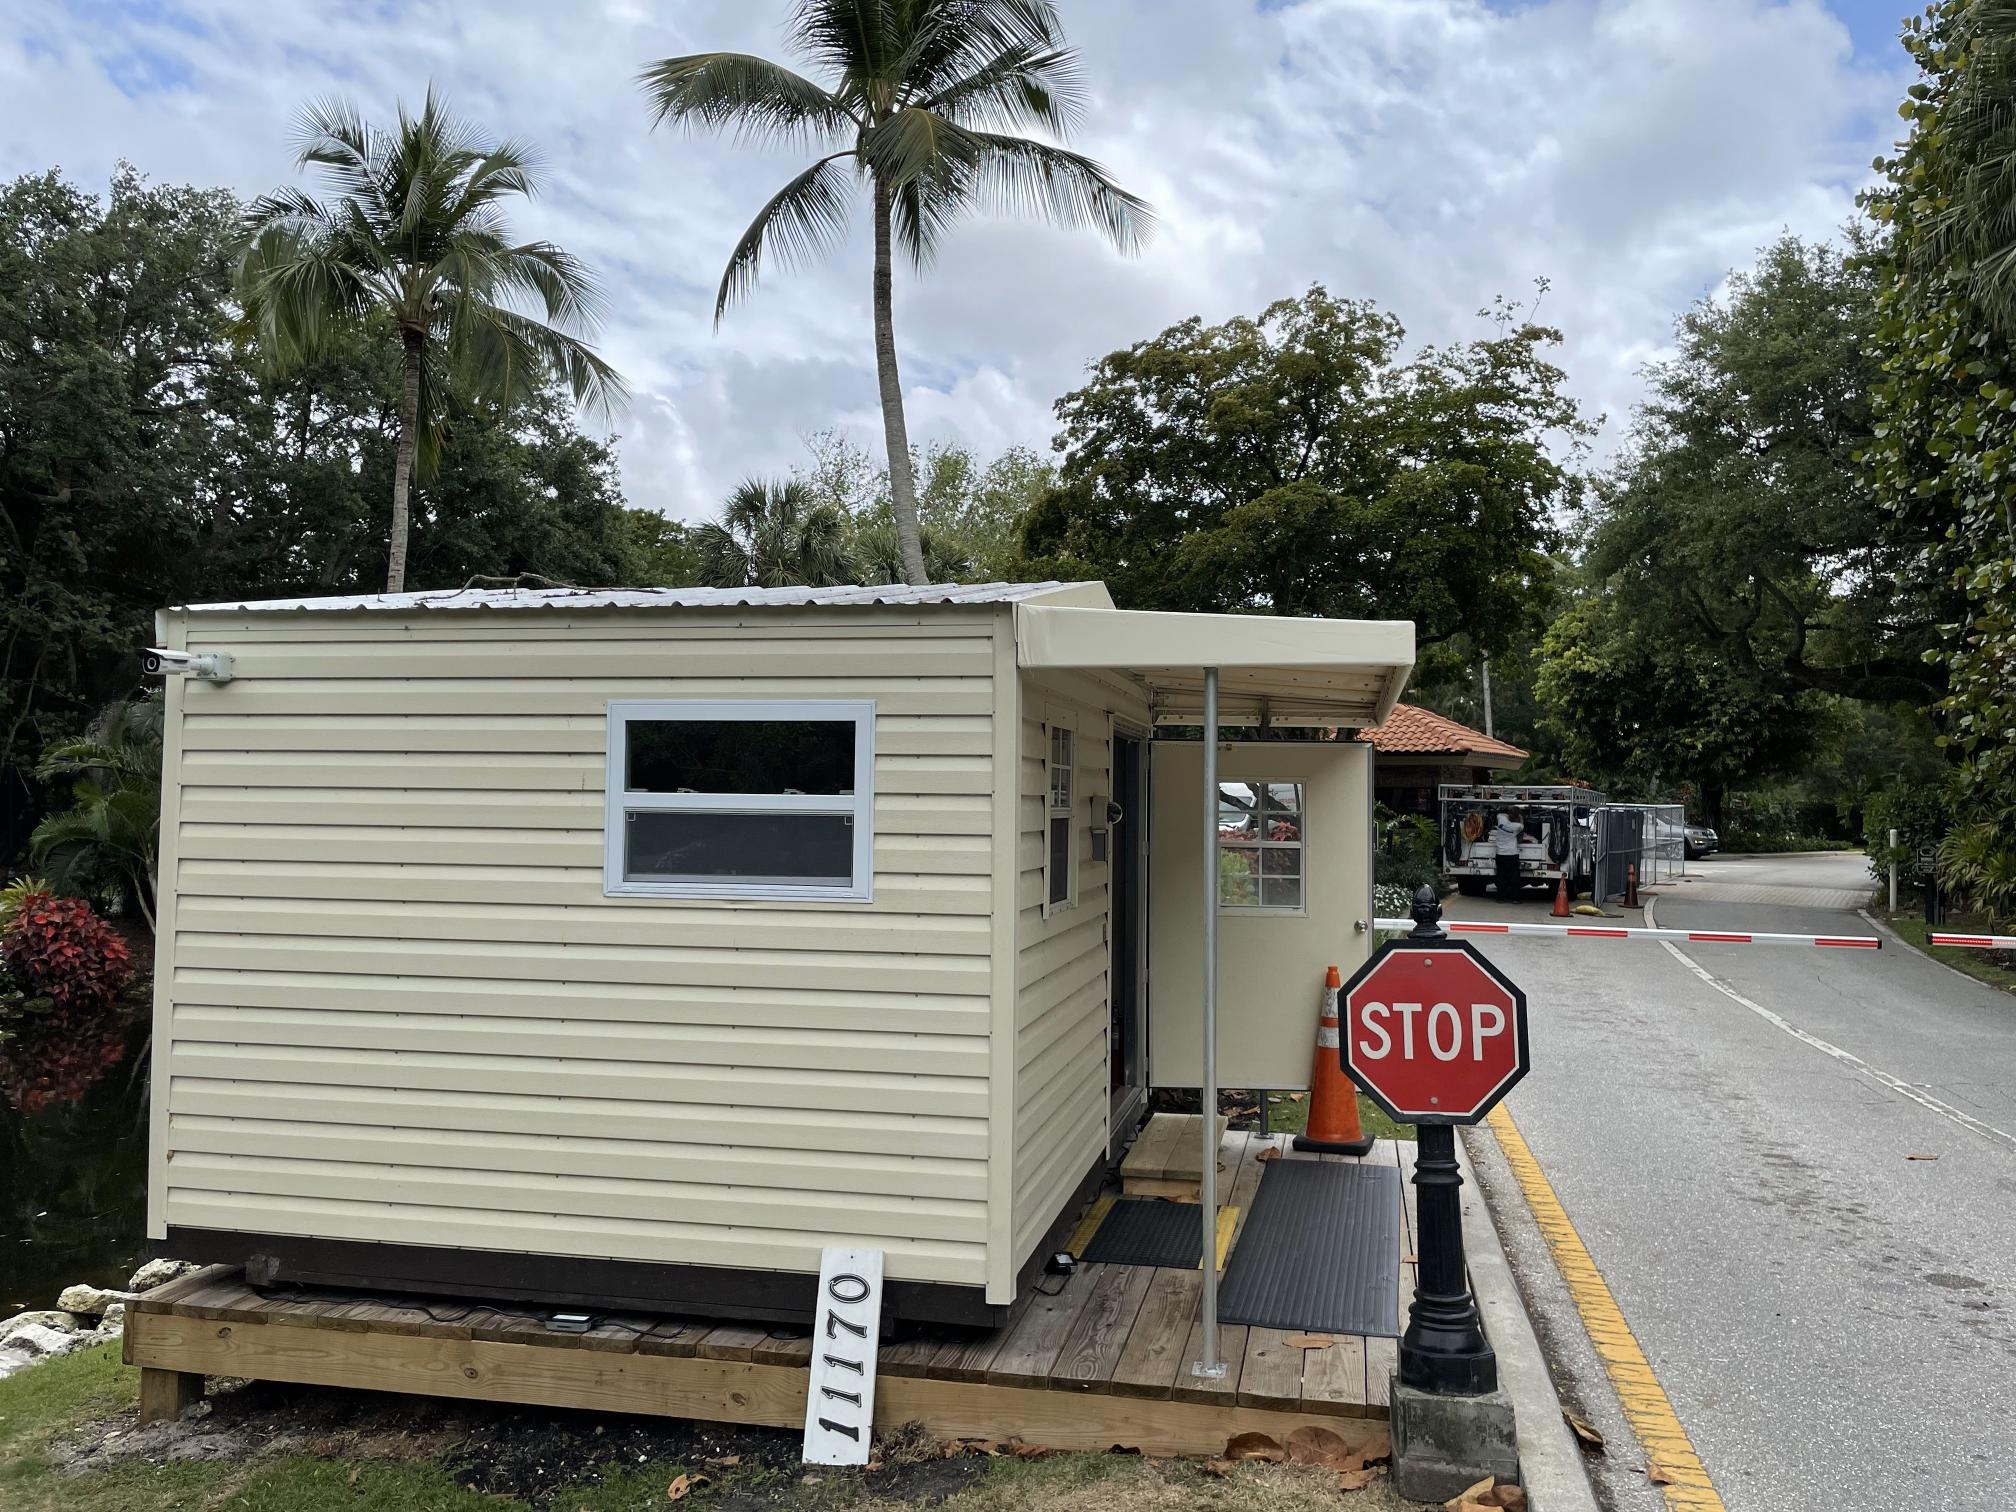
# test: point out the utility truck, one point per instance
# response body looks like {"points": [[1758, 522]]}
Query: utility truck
{"points": [[1557, 834]]}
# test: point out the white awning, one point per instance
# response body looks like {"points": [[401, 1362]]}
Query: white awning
{"points": [[1272, 669]]}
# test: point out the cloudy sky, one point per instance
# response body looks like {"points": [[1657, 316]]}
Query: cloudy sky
{"points": [[1429, 154]]}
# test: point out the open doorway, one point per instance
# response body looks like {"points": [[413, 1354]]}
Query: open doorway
{"points": [[1127, 1054]]}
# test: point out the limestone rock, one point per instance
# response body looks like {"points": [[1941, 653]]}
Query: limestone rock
{"points": [[90, 1301], [37, 1339], [60, 1322], [159, 1273], [114, 1320]]}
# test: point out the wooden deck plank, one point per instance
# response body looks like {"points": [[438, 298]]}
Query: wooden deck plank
{"points": [[1092, 1349], [1033, 1344], [909, 1356], [785, 1346], [966, 1356], [1333, 1379], [678, 1338], [732, 1341], [168, 1293], [1270, 1375], [1153, 1352], [1149, 1154], [1224, 1391]]}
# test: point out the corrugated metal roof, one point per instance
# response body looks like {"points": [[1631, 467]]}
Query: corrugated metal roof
{"points": [[650, 598]]}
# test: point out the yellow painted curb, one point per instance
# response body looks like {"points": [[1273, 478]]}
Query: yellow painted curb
{"points": [[1669, 1453]]}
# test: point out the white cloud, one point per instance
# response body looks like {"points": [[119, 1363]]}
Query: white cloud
{"points": [[1426, 153]]}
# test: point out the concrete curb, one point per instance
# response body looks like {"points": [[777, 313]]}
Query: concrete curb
{"points": [[1551, 1467]]}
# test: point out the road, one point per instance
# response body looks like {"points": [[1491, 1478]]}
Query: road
{"points": [[1732, 1130]]}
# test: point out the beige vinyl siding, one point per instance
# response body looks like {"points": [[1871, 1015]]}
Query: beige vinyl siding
{"points": [[397, 1006], [1061, 974]]}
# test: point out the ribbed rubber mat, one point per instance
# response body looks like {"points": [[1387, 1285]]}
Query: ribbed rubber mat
{"points": [[1148, 1231], [1320, 1251]]}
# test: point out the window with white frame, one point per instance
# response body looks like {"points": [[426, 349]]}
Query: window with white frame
{"points": [[1060, 877], [1260, 846], [741, 799]]}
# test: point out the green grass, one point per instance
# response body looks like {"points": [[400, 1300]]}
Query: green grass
{"points": [[1285, 1117], [1973, 962]]}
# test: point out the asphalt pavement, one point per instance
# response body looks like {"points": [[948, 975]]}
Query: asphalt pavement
{"points": [[1739, 1134]]}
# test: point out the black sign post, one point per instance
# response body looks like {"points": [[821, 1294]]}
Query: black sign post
{"points": [[1444, 1349]]}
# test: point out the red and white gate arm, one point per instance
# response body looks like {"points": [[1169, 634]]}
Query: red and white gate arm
{"points": [[1973, 942], [1699, 936]]}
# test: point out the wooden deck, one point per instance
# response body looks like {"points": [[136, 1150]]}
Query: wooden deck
{"points": [[1104, 1361]]}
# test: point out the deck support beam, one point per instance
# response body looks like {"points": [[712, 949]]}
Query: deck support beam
{"points": [[166, 1394]]}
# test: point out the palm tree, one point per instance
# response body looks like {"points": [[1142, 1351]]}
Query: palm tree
{"points": [[774, 535], [926, 98], [413, 243], [108, 842]]}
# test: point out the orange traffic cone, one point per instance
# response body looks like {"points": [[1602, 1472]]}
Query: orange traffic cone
{"points": [[1333, 1101], [1561, 909]]}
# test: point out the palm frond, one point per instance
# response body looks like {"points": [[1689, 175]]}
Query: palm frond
{"points": [[956, 38], [804, 218], [749, 96], [503, 351], [722, 561], [332, 136], [561, 282], [1024, 87], [295, 288], [1017, 176], [855, 39]]}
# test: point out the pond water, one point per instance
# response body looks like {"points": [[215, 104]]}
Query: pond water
{"points": [[73, 1192]]}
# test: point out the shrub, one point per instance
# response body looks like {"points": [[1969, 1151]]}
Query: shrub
{"points": [[66, 972], [1921, 813], [1406, 856]]}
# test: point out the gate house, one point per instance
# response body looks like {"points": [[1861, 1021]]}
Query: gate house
{"points": [[631, 947]]}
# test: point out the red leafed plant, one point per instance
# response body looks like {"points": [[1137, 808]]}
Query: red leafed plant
{"points": [[65, 1023]]}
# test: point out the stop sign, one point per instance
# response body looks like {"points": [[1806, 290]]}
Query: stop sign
{"points": [[1433, 1032]]}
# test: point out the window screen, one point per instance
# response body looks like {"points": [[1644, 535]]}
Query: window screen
{"points": [[741, 799]]}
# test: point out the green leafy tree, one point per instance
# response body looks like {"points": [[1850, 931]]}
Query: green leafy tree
{"points": [[107, 844], [145, 459], [1943, 452], [413, 243], [970, 512], [1300, 464], [928, 106], [659, 550], [773, 535], [1741, 512], [1627, 699], [111, 398]]}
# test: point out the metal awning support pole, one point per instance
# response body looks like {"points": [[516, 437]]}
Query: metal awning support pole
{"points": [[1207, 1186]]}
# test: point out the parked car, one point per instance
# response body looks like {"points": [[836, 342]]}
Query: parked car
{"points": [[1701, 841]]}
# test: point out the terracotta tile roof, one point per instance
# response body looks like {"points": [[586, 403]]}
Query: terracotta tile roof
{"points": [[1422, 732]]}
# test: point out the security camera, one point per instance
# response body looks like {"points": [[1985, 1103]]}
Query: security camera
{"points": [[207, 666]]}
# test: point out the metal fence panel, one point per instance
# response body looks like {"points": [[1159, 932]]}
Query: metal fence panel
{"points": [[1650, 836]]}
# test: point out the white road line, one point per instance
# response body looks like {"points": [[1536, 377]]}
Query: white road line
{"points": [[1882, 1078]]}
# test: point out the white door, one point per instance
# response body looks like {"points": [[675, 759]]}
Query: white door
{"points": [[1294, 874]]}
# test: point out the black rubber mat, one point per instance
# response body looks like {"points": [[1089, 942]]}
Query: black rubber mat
{"points": [[1148, 1231], [1320, 1251]]}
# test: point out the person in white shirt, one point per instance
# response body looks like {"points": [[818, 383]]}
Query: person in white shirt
{"points": [[1505, 848]]}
